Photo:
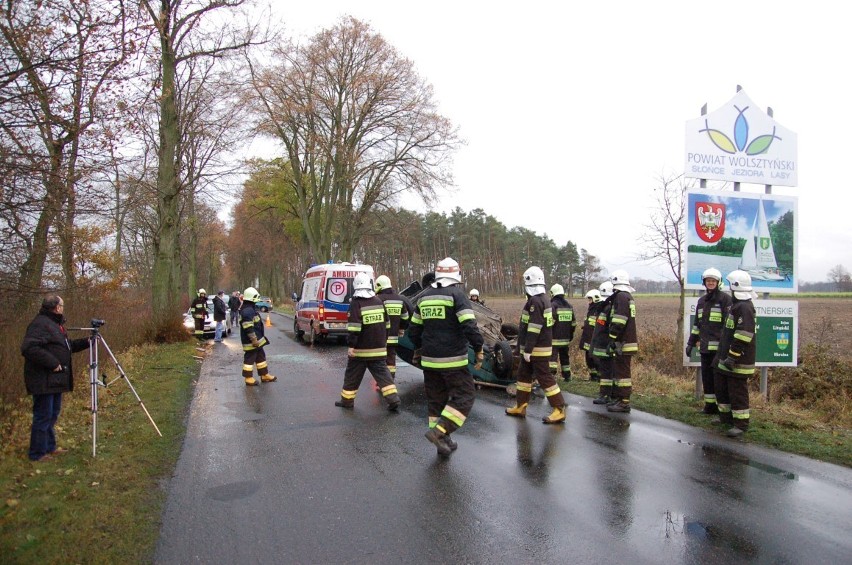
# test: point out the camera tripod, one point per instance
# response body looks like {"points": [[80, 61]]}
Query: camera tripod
{"points": [[96, 339]]}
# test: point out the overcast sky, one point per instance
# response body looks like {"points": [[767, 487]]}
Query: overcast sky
{"points": [[572, 111]]}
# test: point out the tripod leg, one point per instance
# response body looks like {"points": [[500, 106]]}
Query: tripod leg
{"points": [[93, 381], [129, 384]]}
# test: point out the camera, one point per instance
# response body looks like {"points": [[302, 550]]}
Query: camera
{"points": [[97, 323]]}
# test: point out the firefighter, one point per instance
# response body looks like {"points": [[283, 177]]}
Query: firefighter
{"points": [[706, 332], [599, 342], [623, 340], [734, 360], [594, 297], [564, 325], [367, 340], [474, 296], [442, 326], [199, 312], [398, 314], [535, 344], [253, 340]]}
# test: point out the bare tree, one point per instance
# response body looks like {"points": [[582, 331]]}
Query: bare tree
{"points": [[357, 124], [841, 278]]}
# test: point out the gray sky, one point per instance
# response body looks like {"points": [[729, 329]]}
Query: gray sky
{"points": [[572, 111]]}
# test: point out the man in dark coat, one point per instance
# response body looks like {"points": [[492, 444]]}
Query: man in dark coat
{"points": [[220, 312], [48, 373]]}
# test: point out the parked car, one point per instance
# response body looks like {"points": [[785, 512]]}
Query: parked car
{"points": [[500, 349], [209, 323], [265, 304]]}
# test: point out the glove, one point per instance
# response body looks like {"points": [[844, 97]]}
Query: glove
{"points": [[351, 352], [688, 350], [479, 357], [729, 362], [611, 349], [253, 340], [526, 357], [415, 357]]}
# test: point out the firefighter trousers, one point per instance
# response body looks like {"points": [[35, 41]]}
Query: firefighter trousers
{"points": [[622, 384], [391, 361], [606, 371], [732, 399], [538, 369], [708, 381], [252, 357], [354, 374], [592, 366], [449, 397], [560, 363], [199, 327]]}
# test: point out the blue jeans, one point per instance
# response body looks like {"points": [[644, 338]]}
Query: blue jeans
{"points": [[46, 409], [220, 327]]}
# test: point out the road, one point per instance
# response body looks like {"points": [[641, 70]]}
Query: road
{"points": [[278, 474]]}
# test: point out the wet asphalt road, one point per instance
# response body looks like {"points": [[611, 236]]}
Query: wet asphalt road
{"points": [[278, 474]]}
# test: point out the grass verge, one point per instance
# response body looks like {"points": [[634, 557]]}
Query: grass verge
{"points": [[782, 426], [107, 509]]}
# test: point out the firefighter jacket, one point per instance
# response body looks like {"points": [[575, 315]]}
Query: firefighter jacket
{"points": [[535, 332], [398, 313], [600, 335], [45, 347], [199, 307], [367, 326], [589, 325], [737, 342], [709, 318], [564, 322], [251, 325], [622, 323], [442, 326]]}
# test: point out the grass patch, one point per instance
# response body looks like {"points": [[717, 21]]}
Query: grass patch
{"points": [[79, 509]]}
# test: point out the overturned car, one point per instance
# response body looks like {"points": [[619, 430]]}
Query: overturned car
{"points": [[500, 348]]}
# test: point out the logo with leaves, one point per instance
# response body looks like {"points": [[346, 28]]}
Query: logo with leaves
{"points": [[756, 146]]}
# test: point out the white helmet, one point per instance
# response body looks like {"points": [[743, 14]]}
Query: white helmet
{"points": [[447, 272], [251, 294], [473, 292], [606, 289], [202, 291], [363, 286], [621, 280], [712, 273], [594, 295], [557, 289], [740, 283], [534, 281], [383, 282]]}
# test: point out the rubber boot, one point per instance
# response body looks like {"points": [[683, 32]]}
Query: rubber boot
{"points": [[453, 445], [556, 417], [735, 432], [345, 403], [438, 438], [620, 406], [601, 400], [251, 381], [518, 411], [267, 378]]}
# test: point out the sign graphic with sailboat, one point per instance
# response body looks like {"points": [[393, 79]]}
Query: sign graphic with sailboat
{"points": [[759, 236]]}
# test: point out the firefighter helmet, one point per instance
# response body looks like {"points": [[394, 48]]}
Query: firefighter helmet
{"points": [[740, 283], [594, 295], [383, 282], [621, 280], [605, 289], [533, 276], [712, 273], [557, 289], [251, 294], [362, 282], [448, 268], [201, 292], [473, 293]]}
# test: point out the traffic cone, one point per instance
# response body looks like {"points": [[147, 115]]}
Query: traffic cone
{"points": [[268, 321]]}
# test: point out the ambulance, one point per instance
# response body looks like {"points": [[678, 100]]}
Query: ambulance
{"points": [[322, 308]]}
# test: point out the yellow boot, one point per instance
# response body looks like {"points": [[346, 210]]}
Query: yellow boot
{"points": [[251, 381], [556, 417], [267, 378], [518, 411]]}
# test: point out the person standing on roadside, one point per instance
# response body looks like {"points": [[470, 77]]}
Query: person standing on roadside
{"points": [[600, 340], [594, 297], [564, 325], [199, 312], [220, 312], [535, 344], [623, 340], [736, 355], [253, 340], [398, 311], [442, 327], [706, 332], [48, 373], [234, 304]]}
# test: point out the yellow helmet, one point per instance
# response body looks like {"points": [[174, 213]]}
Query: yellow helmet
{"points": [[251, 294], [383, 282]]}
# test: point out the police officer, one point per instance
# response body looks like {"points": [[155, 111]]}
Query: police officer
{"points": [[600, 340], [442, 326], [736, 354], [535, 343], [564, 325], [706, 332], [367, 340], [398, 314], [199, 312], [623, 340], [594, 298], [253, 340]]}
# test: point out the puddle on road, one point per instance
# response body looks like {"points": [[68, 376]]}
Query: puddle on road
{"points": [[730, 456], [233, 491], [707, 540]]}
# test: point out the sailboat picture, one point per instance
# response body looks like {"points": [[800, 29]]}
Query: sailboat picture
{"points": [[753, 232], [758, 258]]}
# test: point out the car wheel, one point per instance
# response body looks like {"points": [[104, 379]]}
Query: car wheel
{"points": [[296, 331], [503, 360], [264, 309]]}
